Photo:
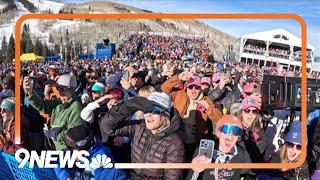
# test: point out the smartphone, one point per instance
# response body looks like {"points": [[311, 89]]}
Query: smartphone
{"points": [[125, 74], [206, 148], [32, 81]]}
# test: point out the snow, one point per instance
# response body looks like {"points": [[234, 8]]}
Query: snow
{"points": [[2, 6], [8, 29], [44, 5], [21, 9]]}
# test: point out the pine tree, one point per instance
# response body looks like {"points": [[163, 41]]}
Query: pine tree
{"points": [[80, 49], [68, 55], [26, 42], [38, 48], [24, 37], [56, 49], [51, 38], [45, 50], [11, 50], [3, 52], [30, 46]]}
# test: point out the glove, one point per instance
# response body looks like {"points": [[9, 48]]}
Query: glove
{"points": [[85, 98], [52, 133]]}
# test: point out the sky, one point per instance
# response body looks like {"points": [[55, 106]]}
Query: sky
{"points": [[307, 9]]}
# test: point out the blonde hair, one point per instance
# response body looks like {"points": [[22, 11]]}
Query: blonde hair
{"points": [[146, 91], [166, 119], [283, 155]]}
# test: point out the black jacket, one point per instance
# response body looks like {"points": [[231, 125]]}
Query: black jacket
{"points": [[225, 98], [256, 149], [163, 147], [300, 173], [238, 155]]}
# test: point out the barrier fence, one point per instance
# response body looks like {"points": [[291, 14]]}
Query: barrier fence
{"points": [[9, 170]]}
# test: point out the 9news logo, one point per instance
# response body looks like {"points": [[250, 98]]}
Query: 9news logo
{"points": [[61, 159]]}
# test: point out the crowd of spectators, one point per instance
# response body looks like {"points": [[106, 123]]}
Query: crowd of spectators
{"points": [[144, 46], [155, 107]]}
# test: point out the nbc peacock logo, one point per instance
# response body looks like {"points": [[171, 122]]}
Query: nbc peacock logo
{"points": [[101, 161]]}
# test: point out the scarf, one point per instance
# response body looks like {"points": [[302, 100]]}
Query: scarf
{"points": [[192, 105]]}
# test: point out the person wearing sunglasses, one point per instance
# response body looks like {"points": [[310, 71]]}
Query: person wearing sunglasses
{"points": [[197, 111], [7, 132], [154, 139], [290, 152], [65, 111], [253, 138], [81, 138], [250, 108], [226, 150]]}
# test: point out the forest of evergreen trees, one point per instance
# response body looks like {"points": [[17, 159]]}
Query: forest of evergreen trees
{"points": [[65, 47], [7, 50], [10, 6], [28, 5]]}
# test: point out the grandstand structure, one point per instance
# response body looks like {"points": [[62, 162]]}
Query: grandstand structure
{"points": [[277, 46]]}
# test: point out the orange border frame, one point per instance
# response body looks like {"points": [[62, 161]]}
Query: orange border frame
{"points": [[295, 17]]}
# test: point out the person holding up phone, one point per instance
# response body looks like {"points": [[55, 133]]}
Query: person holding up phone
{"points": [[226, 150], [132, 84], [65, 111]]}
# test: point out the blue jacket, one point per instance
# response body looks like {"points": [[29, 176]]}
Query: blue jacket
{"points": [[313, 116], [99, 173]]}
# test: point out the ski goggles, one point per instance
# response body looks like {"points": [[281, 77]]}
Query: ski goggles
{"points": [[231, 129], [159, 110]]}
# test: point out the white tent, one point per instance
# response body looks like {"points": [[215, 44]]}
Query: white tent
{"points": [[278, 36]]}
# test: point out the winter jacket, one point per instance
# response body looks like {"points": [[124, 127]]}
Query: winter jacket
{"points": [[237, 155], [254, 144], [63, 116], [8, 133], [89, 172], [225, 98], [129, 93], [181, 102], [163, 147], [92, 114], [300, 173]]}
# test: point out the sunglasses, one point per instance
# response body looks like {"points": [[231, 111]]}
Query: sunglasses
{"points": [[195, 87], [252, 111], [231, 129], [292, 145]]}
